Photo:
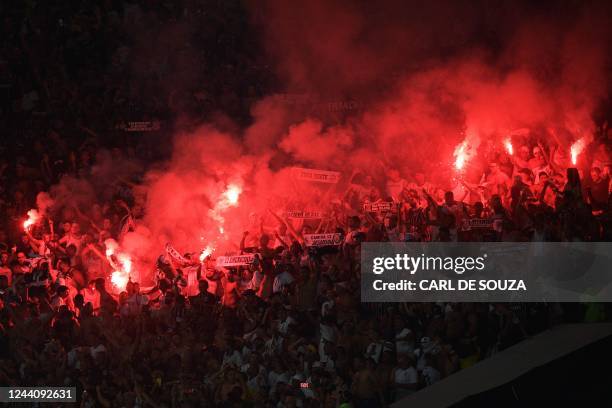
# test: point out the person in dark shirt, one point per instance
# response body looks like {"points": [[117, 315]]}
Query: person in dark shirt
{"points": [[598, 189], [203, 298]]}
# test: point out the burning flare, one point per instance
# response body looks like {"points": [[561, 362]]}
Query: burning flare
{"points": [[577, 148], [508, 146], [229, 198], [206, 252], [126, 262], [120, 262], [33, 218], [460, 155], [232, 194], [120, 279], [111, 247]]}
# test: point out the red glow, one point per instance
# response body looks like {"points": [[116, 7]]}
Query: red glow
{"points": [[206, 253], [229, 198], [119, 279], [111, 247], [121, 263], [232, 194], [577, 148], [508, 146], [460, 155], [33, 218]]}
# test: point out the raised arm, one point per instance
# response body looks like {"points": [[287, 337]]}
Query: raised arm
{"points": [[543, 192], [242, 241], [290, 228], [98, 253], [277, 236], [429, 199], [33, 241], [51, 229]]}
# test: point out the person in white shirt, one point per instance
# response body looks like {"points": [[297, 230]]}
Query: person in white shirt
{"points": [[374, 351], [405, 377], [73, 236], [282, 237], [282, 280], [427, 346], [232, 356], [91, 295], [136, 301], [395, 184], [68, 276], [62, 298], [284, 325], [430, 374], [277, 374], [404, 340]]}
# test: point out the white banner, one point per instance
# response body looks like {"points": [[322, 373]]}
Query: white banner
{"points": [[141, 126], [174, 254], [315, 175], [483, 223], [478, 223], [235, 260], [321, 240], [385, 206], [305, 214]]}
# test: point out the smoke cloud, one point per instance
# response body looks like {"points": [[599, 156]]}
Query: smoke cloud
{"points": [[425, 77], [429, 75]]}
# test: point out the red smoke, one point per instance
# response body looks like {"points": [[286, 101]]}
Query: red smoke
{"points": [[429, 76], [429, 80]]}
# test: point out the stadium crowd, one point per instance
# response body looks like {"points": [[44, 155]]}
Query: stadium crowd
{"points": [[288, 330]]}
